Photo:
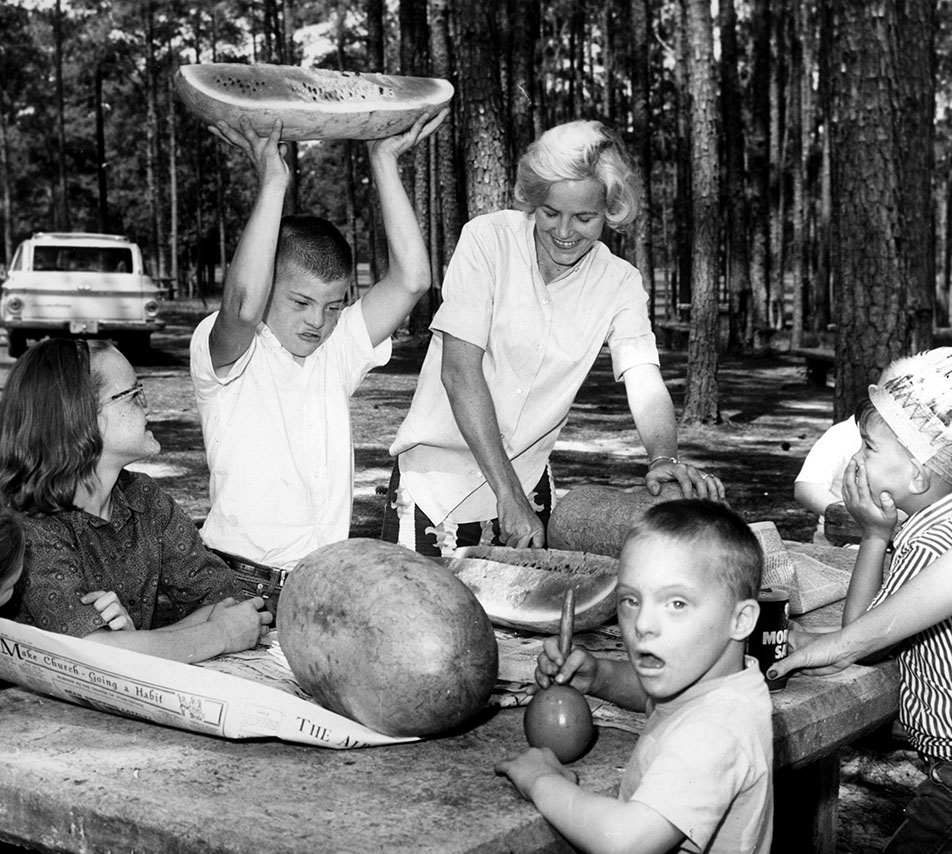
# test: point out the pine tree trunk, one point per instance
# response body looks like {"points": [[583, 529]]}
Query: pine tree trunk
{"points": [[484, 139], [641, 125], [823, 291], [101, 182], [415, 61], [173, 190], [796, 124], [524, 31], [152, 144], [64, 219], [915, 26], [683, 193], [446, 183], [881, 107], [735, 195], [5, 182], [286, 55], [375, 56], [700, 404], [758, 145], [778, 160]]}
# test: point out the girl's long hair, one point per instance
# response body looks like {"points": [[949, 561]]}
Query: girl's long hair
{"points": [[49, 432]]}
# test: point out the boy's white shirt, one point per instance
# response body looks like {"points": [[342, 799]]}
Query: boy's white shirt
{"points": [[278, 440], [724, 723]]}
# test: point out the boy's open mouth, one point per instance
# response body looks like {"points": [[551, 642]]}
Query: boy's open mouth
{"points": [[648, 661]]}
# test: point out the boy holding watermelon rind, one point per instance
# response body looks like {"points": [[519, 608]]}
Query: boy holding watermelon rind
{"points": [[701, 775], [275, 367]]}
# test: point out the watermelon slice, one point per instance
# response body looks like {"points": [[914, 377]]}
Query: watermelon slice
{"points": [[313, 103]]}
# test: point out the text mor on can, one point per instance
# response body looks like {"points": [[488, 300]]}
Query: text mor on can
{"points": [[768, 642]]}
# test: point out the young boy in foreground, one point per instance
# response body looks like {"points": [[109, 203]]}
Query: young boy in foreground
{"points": [[700, 777], [275, 368], [904, 464]]}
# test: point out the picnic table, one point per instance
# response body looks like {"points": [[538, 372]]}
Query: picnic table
{"points": [[74, 779]]}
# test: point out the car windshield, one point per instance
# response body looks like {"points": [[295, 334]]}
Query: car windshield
{"points": [[85, 259]]}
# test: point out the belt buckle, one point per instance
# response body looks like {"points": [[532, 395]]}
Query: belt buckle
{"points": [[271, 584], [257, 579]]}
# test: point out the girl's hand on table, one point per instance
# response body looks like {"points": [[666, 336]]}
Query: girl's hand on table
{"points": [[110, 609]]}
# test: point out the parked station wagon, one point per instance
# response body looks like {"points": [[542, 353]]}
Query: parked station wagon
{"points": [[79, 285]]}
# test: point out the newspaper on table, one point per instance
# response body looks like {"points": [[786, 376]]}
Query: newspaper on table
{"points": [[811, 583], [249, 695]]}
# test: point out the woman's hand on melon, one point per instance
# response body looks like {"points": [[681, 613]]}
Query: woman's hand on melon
{"points": [[579, 669], [242, 624], [402, 142], [519, 526], [266, 153], [693, 481]]}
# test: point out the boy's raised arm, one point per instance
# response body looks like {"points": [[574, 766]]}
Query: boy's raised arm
{"points": [[388, 302], [251, 273]]}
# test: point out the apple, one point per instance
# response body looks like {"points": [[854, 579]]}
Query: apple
{"points": [[558, 717]]}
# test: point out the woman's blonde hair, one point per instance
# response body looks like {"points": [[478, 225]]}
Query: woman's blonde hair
{"points": [[576, 151]]}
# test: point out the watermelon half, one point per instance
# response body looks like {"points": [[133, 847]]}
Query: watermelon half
{"points": [[313, 103]]}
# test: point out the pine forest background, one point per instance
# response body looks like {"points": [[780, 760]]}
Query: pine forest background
{"points": [[792, 156]]}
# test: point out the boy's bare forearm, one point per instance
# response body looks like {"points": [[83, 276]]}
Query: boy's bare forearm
{"points": [[251, 272], [250, 275], [409, 261], [866, 578], [600, 824], [387, 303]]}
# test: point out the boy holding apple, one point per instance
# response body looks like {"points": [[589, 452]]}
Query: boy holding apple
{"points": [[700, 776]]}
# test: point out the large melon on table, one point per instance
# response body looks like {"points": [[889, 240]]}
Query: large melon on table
{"points": [[387, 637], [592, 518], [312, 103]]}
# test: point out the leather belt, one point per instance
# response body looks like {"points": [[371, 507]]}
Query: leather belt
{"points": [[256, 579]]}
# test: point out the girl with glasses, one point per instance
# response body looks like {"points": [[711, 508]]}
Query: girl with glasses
{"points": [[72, 417]]}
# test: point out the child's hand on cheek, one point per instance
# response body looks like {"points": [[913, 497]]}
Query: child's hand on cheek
{"points": [[875, 514], [526, 768]]}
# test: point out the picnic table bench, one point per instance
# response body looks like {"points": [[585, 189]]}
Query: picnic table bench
{"points": [[819, 361]]}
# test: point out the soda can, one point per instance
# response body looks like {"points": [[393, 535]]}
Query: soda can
{"points": [[768, 642]]}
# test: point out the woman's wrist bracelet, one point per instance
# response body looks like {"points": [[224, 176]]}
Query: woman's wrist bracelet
{"points": [[663, 459]]}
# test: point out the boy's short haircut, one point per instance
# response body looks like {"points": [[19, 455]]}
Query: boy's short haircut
{"points": [[726, 542], [916, 404], [12, 543], [314, 245], [863, 412]]}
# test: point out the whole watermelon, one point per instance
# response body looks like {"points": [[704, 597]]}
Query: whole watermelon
{"points": [[387, 637]]}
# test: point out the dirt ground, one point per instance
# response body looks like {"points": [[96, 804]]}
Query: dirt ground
{"points": [[771, 416]]}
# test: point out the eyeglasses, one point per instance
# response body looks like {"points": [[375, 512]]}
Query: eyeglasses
{"points": [[136, 393]]}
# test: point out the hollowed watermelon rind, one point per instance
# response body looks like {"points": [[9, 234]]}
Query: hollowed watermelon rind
{"points": [[312, 103]]}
